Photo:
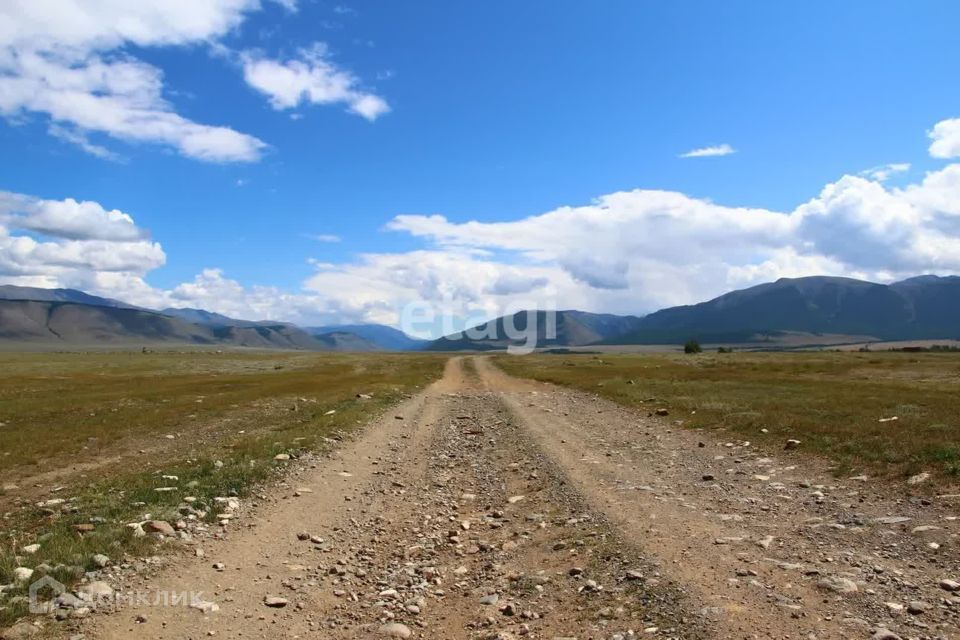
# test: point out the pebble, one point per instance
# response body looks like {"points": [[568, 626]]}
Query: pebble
{"points": [[22, 574], [275, 601], [158, 526], [395, 630], [950, 585], [95, 590], [891, 520], [204, 606], [838, 584], [917, 607]]}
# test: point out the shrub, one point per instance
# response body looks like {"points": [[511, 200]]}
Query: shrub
{"points": [[692, 346]]}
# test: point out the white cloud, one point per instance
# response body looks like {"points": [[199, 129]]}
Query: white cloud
{"points": [[884, 172], [625, 252], [324, 237], [68, 219], [60, 58], [310, 78], [81, 140], [458, 283], [706, 152], [289, 5], [70, 243], [945, 137], [639, 250]]}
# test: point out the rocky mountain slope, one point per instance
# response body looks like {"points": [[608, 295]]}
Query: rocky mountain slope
{"points": [[380, 335], [925, 307], [572, 328], [32, 323]]}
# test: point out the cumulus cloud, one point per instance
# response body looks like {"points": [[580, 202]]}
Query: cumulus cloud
{"points": [[639, 250], [310, 78], [707, 152], [61, 58], [625, 252], [454, 283], [945, 137], [68, 219], [69, 243]]}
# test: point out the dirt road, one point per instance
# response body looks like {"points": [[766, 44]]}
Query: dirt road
{"points": [[490, 507]]}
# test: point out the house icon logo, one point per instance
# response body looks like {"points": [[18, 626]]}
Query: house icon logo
{"points": [[43, 592]]}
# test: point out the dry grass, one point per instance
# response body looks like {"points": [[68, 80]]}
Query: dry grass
{"points": [[831, 401], [107, 416]]}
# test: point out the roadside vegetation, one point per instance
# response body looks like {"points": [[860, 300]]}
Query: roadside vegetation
{"points": [[893, 414], [92, 442]]}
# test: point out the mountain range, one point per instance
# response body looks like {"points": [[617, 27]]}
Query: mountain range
{"points": [[378, 335], [31, 316], [925, 307], [570, 329]]}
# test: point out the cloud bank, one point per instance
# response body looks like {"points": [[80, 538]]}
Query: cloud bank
{"points": [[625, 252]]}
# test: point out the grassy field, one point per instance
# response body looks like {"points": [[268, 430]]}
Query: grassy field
{"points": [[101, 430], [832, 402]]}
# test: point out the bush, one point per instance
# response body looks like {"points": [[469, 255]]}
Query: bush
{"points": [[725, 350], [692, 346]]}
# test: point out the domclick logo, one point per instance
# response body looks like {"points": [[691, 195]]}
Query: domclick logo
{"points": [[46, 595], [520, 327], [43, 593]]}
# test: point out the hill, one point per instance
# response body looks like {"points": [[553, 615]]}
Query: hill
{"points": [[380, 335], [33, 322], [798, 309], [73, 317], [201, 316], [927, 307], [346, 341], [573, 328], [13, 292]]}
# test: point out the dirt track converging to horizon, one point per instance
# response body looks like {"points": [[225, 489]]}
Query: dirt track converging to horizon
{"points": [[491, 507]]}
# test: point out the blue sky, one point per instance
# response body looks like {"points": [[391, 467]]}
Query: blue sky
{"points": [[497, 113]]}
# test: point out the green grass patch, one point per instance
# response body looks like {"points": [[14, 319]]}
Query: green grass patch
{"points": [[833, 402], [63, 409]]}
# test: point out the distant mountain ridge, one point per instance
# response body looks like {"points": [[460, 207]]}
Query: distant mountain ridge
{"points": [[927, 307], [14, 292], [200, 316], [924, 307], [381, 335], [36, 316], [37, 322], [571, 328], [920, 308]]}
